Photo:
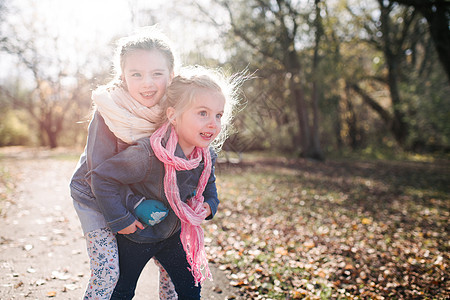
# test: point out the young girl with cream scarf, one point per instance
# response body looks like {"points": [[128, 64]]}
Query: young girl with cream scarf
{"points": [[126, 110], [175, 166]]}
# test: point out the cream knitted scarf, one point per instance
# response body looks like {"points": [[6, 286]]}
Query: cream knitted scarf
{"points": [[192, 213], [125, 117]]}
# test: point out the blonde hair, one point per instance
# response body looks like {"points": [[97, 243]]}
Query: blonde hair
{"points": [[146, 38], [184, 87]]}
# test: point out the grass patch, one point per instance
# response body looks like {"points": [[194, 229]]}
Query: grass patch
{"points": [[293, 229]]}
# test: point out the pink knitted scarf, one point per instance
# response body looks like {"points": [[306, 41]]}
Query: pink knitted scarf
{"points": [[191, 213]]}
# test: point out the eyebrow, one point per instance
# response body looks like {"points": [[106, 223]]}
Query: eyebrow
{"points": [[207, 108], [153, 70]]}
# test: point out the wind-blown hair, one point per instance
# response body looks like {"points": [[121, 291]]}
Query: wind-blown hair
{"points": [[186, 85]]}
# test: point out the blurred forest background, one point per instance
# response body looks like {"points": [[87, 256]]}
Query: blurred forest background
{"points": [[332, 77]]}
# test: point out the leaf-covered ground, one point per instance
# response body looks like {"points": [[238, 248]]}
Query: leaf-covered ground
{"points": [[334, 230]]}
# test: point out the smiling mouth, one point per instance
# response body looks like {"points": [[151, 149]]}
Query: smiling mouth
{"points": [[148, 94], [206, 135]]}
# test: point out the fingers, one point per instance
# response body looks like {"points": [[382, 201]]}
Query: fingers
{"points": [[208, 209], [132, 228], [139, 225], [123, 231]]}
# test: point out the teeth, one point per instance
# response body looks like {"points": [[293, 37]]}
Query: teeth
{"points": [[207, 134]]}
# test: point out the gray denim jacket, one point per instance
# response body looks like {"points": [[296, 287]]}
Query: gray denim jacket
{"points": [[101, 144], [138, 167]]}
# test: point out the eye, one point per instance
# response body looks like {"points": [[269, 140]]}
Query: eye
{"points": [[219, 116], [157, 74], [203, 113], [136, 74]]}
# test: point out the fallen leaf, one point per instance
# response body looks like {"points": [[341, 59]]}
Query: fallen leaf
{"points": [[281, 251], [309, 244], [40, 282], [348, 267], [237, 283], [366, 221], [60, 275], [70, 287], [51, 294]]}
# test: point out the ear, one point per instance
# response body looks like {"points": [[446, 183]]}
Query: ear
{"points": [[124, 83], [170, 113]]}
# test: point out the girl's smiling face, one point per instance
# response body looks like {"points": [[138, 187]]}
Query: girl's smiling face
{"points": [[200, 123], [146, 76]]}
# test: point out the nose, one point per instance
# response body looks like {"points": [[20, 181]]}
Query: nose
{"points": [[213, 123], [148, 81]]}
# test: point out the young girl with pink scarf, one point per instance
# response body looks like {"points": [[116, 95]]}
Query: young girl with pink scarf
{"points": [[175, 166]]}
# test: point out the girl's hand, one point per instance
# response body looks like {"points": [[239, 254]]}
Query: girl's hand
{"points": [[132, 228], [208, 209]]}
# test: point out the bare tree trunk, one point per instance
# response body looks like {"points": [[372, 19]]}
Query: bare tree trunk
{"points": [[399, 126], [315, 149], [351, 120], [338, 124], [298, 96], [52, 139]]}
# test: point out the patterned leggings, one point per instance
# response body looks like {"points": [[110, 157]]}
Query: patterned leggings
{"points": [[104, 264]]}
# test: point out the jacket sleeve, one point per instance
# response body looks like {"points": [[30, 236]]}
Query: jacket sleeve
{"points": [[101, 145], [210, 192], [108, 179]]}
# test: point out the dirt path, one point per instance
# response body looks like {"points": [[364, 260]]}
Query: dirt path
{"points": [[42, 251]]}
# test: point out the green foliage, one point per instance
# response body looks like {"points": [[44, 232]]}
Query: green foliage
{"points": [[427, 109], [13, 131]]}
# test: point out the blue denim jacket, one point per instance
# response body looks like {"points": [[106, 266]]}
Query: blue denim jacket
{"points": [[138, 167], [101, 144]]}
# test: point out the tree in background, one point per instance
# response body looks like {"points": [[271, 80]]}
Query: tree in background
{"points": [[376, 56], [318, 65], [53, 84], [390, 38], [399, 35], [437, 14], [272, 32]]}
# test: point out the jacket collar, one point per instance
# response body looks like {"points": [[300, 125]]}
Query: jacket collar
{"points": [[178, 151]]}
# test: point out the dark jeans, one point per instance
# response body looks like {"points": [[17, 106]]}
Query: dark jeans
{"points": [[170, 253]]}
